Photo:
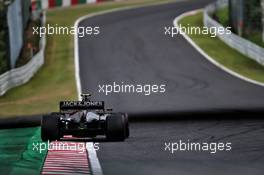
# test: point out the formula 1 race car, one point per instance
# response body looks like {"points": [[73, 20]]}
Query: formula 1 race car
{"points": [[83, 119]]}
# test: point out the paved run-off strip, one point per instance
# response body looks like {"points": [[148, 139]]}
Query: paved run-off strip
{"points": [[67, 161]]}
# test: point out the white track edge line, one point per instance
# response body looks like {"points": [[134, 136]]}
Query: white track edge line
{"points": [[95, 166], [175, 23], [93, 159]]}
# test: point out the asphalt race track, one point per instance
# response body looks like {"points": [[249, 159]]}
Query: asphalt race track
{"points": [[133, 49], [144, 153]]}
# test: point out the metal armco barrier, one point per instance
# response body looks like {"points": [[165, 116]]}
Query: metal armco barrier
{"points": [[23, 74], [16, 29], [234, 41]]}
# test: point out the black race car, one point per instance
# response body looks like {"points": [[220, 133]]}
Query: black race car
{"points": [[83, 119]]}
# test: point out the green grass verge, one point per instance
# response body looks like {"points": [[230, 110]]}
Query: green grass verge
{"points": [[222, 53], [222, 16], [256, 37], [16, 151], [55, 81]]}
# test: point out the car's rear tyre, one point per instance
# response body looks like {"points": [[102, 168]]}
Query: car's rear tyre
{"points": [[115, 127], [50, 127]]}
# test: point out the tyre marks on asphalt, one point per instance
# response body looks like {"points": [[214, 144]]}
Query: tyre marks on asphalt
{"points": [[67, 158]]}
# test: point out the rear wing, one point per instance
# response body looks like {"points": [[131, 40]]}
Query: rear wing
{"points": [[81, 105]]}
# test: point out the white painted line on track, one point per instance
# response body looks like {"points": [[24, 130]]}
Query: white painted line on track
{"points": [[93, 159], [175, 23], [94, 162]]}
